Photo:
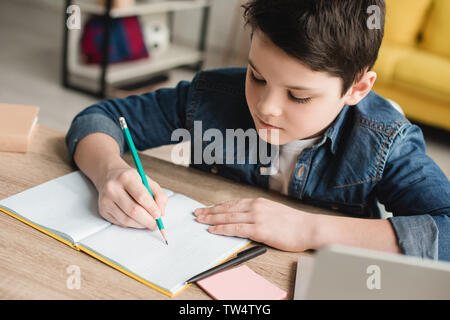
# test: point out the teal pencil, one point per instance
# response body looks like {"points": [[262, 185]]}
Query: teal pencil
{"points": [[137, 161]]}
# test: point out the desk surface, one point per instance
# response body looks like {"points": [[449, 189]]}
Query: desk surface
{"points": [[34, 265]]}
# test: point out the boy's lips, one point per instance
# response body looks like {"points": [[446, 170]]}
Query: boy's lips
{"points": [[266, 125]]}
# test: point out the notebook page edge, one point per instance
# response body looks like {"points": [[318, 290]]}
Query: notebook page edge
{"points": [[61, 236], [77, 235]]}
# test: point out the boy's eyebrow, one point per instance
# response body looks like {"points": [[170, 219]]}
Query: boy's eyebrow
{"points": [[289, 87]]}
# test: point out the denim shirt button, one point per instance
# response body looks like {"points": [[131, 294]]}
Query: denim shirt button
{"points": [[263, 170], [214, 170], [300, 172]]}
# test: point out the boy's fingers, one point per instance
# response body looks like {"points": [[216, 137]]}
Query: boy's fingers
{"points": [[225, 218], [161, 197], [161, 201], [134, 211], [240, 205], [241, 230], [105, 207], [122, 219], [140, 194], [108, 216]]}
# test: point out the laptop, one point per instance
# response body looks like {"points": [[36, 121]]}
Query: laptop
{"points": [[338, 272]]}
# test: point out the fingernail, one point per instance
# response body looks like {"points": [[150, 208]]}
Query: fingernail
{"points": [[157, 214], [197, 211]]}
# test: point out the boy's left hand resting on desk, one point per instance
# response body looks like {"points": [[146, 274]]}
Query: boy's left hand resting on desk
{"points": [[288, 229], [261, 220]]}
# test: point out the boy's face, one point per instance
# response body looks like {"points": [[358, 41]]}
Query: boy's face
{"points": [[284, 94]]}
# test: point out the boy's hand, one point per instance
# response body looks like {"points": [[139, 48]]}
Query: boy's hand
{"points": [[261, 220], [124, 200]]}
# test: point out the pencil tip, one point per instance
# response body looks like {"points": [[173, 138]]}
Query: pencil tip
{"points": [[167, 242]]}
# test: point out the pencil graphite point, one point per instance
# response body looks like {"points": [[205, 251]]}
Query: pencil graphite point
{"points": [[167, 242]]}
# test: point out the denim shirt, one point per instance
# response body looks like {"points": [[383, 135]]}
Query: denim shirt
{"points": [[371, 153]]}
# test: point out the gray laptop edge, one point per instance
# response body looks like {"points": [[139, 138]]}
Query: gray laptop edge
{"points": [[338, 272]]}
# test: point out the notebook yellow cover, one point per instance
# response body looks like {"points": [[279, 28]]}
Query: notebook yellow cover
{"points": [[80, 248], [63, 207]]}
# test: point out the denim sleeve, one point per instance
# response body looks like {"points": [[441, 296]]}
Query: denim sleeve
{"points": [[151, 118], [417, 193]]}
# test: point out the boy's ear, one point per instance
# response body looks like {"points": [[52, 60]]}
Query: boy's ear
{"points": [[360, 88]]}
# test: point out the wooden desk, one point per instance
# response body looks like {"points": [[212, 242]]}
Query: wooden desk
{"points": [[33, 265]]}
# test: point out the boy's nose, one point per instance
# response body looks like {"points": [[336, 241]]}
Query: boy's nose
{"points": [[270, 106]]}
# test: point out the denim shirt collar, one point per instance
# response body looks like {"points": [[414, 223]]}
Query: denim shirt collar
{"points": [[334, 131]]}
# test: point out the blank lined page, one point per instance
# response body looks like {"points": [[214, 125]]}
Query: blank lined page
{"points": [[191, 250], [67, 205]]}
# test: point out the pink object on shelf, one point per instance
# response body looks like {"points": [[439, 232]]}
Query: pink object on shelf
{"points": [[240, 283], [126, 40]]}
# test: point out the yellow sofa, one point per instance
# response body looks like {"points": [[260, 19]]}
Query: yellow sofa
{"points": [[413, 65]]}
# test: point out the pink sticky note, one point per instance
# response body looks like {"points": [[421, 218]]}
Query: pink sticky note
{"points": [[240, 283]]}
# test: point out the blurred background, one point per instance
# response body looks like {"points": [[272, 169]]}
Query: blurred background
{"points": [[51, 55]]}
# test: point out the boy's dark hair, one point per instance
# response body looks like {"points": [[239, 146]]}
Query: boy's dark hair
{"points": [[332, 36]]}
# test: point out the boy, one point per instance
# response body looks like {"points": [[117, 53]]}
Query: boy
{"points": [[340, 145]]}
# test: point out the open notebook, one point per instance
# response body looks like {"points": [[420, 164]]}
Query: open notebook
{"points": [[66, 209]]}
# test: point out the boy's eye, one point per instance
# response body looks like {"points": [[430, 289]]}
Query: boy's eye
{"points": [[252, 75], [295, 99], [299, 100]]}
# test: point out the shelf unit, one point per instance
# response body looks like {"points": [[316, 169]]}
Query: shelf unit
{"points": [[107, 74], [142, 8]]}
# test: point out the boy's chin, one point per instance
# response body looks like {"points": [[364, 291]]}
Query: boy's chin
{"points": [[271, 136], [276, 137]]}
